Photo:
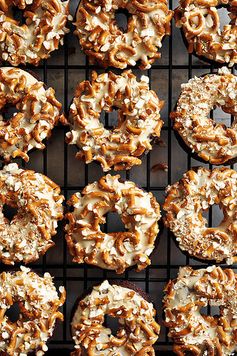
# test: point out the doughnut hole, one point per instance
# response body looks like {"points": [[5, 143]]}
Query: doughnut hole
{"points": [[214, 216], [18, 15], [8, 112], [10, 208], [114, 223], [9, 211], [112, 118], [217, 216], [221, 117], [205, 311], [122, 17], [210, 310], [112, 323], [13, 313]]}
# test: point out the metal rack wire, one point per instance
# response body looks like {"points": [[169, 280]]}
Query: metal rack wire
{"points": [[62, 71]]}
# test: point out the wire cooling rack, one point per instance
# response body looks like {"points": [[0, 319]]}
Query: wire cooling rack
{"points": [[63, 71]]}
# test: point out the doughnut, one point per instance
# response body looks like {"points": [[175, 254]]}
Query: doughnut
{"points": [[139, 211], [37, 112], [211, 141], [39, 207], [193, 332], [105, 43], [184, 205], [138, 119], [200, 24], [40, 34], [138, 329], [38, 303]]}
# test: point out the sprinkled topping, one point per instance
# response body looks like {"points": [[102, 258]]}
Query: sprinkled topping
{"points": [[200, 23], [38, 112], [43, 31], [38, 303], [138, 329], [39, 207], [195, 333], [139, 212], [211, 141], [139, 120], [104, 42], [185, 202]]}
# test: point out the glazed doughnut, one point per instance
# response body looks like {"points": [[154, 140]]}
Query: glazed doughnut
{"points": [[200, 23], [138, 329], [185, 202], [38, 303], [139, 211], [211, 141], [104, 42], [193, 332], [39, 207], [138, 119], [42, 32], [37, 112]]}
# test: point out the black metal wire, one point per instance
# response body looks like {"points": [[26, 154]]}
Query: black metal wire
{"points": [[65, 344]]}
